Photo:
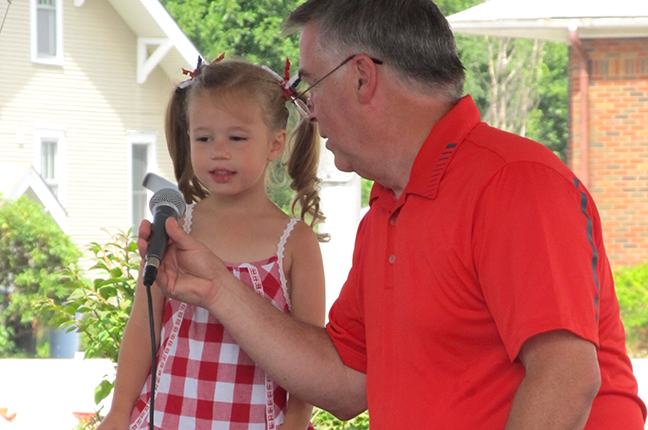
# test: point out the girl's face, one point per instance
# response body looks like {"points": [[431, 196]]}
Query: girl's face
{"points": [[230, 143]]}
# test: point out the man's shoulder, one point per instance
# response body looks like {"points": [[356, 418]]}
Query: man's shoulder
{"points": [[494, 148]]}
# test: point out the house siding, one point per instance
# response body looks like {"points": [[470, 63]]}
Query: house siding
{"points": [[94, 98], [618, 116]]}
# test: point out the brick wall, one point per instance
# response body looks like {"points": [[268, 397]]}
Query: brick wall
{"points": [[618, 129]]}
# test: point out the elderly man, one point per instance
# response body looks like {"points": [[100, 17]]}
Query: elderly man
{"points": [[480, 295]]}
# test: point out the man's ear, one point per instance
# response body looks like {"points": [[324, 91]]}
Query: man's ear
{"points": [[277, 145], [367, 78]]}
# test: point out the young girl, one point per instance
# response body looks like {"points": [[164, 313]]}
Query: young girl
{"points": [[223, 127]]}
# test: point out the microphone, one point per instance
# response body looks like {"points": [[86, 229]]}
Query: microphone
{"points": [[165, 203], [155, 183]]}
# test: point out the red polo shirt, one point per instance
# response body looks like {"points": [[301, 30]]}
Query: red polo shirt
{"points": [[493, 241]]}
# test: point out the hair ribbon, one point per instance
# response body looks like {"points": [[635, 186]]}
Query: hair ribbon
{"points": [[286, 83], [195, 72]]}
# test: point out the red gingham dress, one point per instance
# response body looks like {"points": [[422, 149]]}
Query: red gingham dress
{"points": [[204, 379]]}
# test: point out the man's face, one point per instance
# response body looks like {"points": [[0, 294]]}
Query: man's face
{"points": [[331, 101]]}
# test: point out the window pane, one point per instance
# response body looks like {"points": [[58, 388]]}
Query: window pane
{"points": [[140, 208], [46, 31], [49, 149], [140, 164], [48, 159], [140, 167]]}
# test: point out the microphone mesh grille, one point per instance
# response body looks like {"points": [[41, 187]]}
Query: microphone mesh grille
{"points": [[169, 197]]}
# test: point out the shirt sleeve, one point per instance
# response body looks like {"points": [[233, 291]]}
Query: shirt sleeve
{"points": [[535, 240]]}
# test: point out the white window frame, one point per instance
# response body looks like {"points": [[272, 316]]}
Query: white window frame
{"points": [[56, 60], [58, 134], [139, 138]]}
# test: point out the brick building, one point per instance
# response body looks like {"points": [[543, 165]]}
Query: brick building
{"points": [[608, 100], [618, 141]]}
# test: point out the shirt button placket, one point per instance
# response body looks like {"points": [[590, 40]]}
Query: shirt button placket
{"points": [[391, 249]]}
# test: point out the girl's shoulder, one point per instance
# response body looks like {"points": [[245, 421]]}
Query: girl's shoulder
{"points": [[301, 231], [302, 240]]}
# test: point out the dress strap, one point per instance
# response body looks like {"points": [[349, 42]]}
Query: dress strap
{"points": [[188, 216], [280, 257]]}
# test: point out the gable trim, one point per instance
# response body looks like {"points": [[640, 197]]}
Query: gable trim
{"points": [[146, 65], [33, 181]]}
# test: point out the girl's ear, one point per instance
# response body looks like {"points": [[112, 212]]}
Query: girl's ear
{"points": [[277, 145]]}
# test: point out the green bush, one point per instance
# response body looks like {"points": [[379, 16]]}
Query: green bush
{"points": [[323, 420], [99, 309], [632, 291], [33, 251]]}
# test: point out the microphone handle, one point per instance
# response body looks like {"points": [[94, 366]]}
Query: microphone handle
{"points": [[157, 242]]}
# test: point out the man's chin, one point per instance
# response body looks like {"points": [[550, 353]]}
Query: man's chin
{"points": [[341, 166]]}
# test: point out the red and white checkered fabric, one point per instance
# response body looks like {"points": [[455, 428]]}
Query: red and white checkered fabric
{"points": [[204, 379]]}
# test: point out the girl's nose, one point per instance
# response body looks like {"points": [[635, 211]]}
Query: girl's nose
{"points": [[220, 151]]}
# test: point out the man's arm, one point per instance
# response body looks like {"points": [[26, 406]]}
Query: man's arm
{"points": [[562, 379], [299, 356]]}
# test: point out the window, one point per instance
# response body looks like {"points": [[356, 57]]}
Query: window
{"points": [[48, 169], [47, 31], [49, 150], [141, 161]]}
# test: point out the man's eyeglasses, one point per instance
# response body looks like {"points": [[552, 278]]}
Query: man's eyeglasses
{"points": [[302, 106]]}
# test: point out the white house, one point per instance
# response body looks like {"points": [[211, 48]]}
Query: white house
{"points": [[83, 91]]}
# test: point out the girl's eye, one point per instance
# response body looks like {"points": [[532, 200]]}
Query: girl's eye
{"points": [[202, 139], [238, 138]]}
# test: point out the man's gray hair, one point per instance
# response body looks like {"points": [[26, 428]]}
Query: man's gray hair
{"points": [[411, 36]]}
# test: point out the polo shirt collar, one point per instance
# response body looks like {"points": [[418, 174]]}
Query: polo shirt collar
{"points": [[437, 151]]}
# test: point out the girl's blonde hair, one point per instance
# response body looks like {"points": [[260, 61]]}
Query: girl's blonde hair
{"points": [[302, 150]]}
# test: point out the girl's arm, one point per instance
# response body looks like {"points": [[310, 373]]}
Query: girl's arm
{"points": [[306, 289], [134, 362]]}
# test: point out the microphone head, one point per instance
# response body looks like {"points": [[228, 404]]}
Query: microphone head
{"points": [[168, 197]]}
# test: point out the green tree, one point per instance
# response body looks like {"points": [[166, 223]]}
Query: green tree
{"points": [[33, 252], [548, 122], [519, 85], [251, 29]]}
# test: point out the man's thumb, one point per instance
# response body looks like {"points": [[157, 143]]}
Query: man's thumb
{"points": [[173, 230]]}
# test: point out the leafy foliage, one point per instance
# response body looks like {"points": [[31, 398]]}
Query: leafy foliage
{"points": [[323, 420], [246, 28], [99, 308], [33, 251], [632, 292], [519, 85], [548, 122]]}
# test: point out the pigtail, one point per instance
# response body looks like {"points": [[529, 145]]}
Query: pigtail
{"points": [[302, 167], [178, 144]]}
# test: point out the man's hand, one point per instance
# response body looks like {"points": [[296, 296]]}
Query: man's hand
{"points": [[189, 271]]}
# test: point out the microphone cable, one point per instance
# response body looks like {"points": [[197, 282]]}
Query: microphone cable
{"points": [[165, 203], [5, 15], [148, 284]]}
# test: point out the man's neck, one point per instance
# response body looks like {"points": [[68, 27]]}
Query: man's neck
{"points": [[410, 128]]}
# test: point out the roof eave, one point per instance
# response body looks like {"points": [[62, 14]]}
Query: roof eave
{"points": [[153, 25], [555, 29]]}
